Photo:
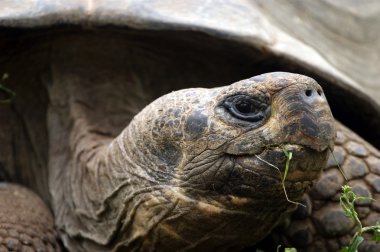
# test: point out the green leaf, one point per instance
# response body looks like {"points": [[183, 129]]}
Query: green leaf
{"points": [[347, 203], [376, 233], [353, 247], [289, 156], [290, 250], [345, 249]]}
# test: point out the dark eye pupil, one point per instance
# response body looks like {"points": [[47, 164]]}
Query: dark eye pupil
{"points": [[244, 107]]}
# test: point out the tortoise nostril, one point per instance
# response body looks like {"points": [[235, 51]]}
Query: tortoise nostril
{"points": [[312, 95]]}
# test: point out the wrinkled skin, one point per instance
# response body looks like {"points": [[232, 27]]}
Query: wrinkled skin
{"points": [[77, 91], [183, 173], [189, 158]]}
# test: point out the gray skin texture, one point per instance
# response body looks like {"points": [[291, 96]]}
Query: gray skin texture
{"points": [[74, 95], [169, 170], [186, 159], [72, 101], [183, 160]]}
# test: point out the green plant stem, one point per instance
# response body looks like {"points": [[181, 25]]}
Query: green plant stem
{"points": [[369, 229], [9, 92], [347, 202], [340, 169], [6, 90], [282, 177]]}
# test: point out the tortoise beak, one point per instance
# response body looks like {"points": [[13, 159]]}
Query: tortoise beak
{"points": [[305, 116]]}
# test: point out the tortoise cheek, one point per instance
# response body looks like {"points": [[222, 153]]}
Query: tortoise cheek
{"points": [[196, 124]]}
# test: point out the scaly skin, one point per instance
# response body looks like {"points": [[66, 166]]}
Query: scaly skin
{"points": [[75, 96], [302, 230], [188, 159], [26, 224]]}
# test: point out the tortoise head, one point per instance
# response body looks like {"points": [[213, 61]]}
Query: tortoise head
{"points": [[219, 139], [212, 153]]}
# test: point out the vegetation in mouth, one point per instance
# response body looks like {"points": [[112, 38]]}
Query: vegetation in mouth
{"points": [[288, 155]]}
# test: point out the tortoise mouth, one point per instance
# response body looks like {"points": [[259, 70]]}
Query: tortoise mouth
{"points": [[257, 179], [305, 163], [260, 176]]}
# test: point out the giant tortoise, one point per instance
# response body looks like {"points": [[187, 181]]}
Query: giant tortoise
{"points": [[91, 160]]}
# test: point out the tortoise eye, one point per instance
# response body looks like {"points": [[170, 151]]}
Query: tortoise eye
{"points": [[245, 107]]}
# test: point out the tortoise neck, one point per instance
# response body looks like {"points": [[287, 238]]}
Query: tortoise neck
{"points": [[90, 104]]}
